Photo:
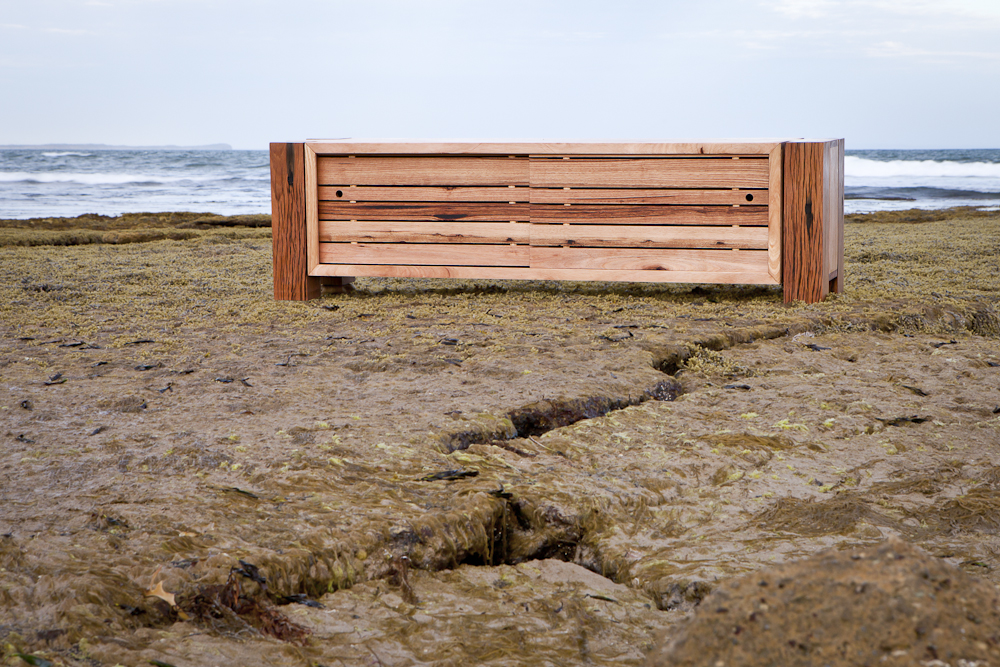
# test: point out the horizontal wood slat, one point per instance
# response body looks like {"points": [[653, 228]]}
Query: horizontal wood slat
{"points": [[420, 253], [624, 236], [649, 172], [752, 276], [639, 196], [422, 171], [425, 194], [424, 232], [649, 260], [493, 147], [437, 211], [649, 214]]}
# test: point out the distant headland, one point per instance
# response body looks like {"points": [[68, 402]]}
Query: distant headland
{"points": [[108, 147]]}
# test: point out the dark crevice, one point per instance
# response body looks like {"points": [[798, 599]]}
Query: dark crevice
{"points": [[519, 533], [543, 416], [540, 417], [506, 530], [243, 605], [564, 551]]}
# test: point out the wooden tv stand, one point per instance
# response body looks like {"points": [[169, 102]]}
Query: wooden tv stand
{"points": [[753, 212]]}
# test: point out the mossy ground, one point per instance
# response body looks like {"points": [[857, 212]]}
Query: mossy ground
{"points": [[164, 419]]}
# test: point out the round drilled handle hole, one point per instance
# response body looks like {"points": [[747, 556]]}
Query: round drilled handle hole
{"points": [[749, 197], [340, 193]]}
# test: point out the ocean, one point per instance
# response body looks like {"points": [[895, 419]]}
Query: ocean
{"points": [[65, 183], [38, 183], [889, 180]]}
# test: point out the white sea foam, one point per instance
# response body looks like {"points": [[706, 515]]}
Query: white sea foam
{"points": [[871, 205], [944, 174], [65, 153], [101, 179]]}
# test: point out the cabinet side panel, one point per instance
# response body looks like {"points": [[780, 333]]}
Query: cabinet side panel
{"points": [[833, 219], [312, 209], [774, 213]]}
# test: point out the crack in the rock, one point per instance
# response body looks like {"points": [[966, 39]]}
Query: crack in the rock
{"points": [[540, 417], [506, 530]]}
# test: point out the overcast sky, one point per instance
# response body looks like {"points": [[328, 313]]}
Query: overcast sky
{"points": [[881, 73]]}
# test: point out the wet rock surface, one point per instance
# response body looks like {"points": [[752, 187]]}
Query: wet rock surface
{"points": [[886, 604], [468, 472]]}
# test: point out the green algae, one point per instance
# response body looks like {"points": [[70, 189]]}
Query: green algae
{"points": [[663, 498]]}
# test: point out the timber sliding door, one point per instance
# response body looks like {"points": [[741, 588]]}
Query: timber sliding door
{"points": [[702, 219], [635, 212], [421, 215]]}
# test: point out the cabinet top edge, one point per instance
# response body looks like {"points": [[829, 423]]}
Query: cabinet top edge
{"points": [[526, 147]]}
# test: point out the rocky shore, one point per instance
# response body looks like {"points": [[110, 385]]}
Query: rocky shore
{"points": [[494, 472]]}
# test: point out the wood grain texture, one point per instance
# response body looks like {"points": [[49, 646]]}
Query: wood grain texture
{"points": [[436, 211], [754, 261], [775, 163], [633, 196], [423, 194], [449, 171], [650, 214], [639, 211], [288, 225], [424, 232], [421, 253], [637, 172], [312, 208], [543, 147], [833, 213], [626, 236], [742, 277], [804, 275]]}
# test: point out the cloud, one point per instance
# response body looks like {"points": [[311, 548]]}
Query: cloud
{"points": [[967, 8], [13, 26], [854, 11], [812, 9], [948, 32], [899, 50], [65, 31], [572, 36]]}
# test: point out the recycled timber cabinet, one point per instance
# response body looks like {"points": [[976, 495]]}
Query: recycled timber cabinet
{"points": [[757, 212]]}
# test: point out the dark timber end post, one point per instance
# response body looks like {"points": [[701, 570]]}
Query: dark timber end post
{"points": [[812, 220], [288, 225]]}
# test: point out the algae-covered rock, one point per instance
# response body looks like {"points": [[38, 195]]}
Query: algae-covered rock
{"points": [[890, 604]]}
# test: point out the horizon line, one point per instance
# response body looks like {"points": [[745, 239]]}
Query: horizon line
{"points": [[99, 147]]}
